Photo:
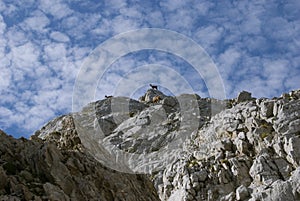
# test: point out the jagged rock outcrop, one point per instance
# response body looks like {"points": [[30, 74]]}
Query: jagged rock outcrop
{"points": [[247, 152], [58, 168], [237, 149]]}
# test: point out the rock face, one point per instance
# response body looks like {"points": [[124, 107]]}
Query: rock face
{"points": [[58, 168], [238, 149], [247, 152]]}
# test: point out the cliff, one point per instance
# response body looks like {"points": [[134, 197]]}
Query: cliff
{"points": [[62, 170]]}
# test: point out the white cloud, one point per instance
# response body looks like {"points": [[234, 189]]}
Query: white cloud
{"points": [[56, 8], [130, 12], [122, 24], [276, 72], [5, 78], [25, 56], [55, 52], [293, 80], [78, 26], [7, 9], [251, 25], [37, 22], [6, 115], [59, 36], [156, 19], [172, 5], [291, 9], [181, 19], [202, 8], [2, 25], [228, 60], [209, 36], [15, 36], [36, 116], [115, 4], [256, 44]]}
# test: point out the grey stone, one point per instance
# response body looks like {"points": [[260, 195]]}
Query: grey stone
{"points": [[278, 191], [223, 176], [267, 109], [151, 93], [292, 148], [263, 170], [202, 175], [242, 146], [295, 183], [170, 101], [242, 135], [283, 167], [54, 193], [3, 178], [287, 121], [242, 193], [229, 197], [240, 170], [244, 96], [278, 147]]}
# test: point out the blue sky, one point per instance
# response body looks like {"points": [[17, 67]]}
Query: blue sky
{"points": [[255, 46]]}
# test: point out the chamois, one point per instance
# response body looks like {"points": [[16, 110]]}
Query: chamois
{"points": [[156, 99], [153, 86], [108, 96]]}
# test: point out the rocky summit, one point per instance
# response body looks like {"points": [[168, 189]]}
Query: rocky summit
{"points": [[182, 148]]}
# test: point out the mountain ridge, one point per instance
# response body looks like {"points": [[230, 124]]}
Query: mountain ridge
{"points": [[236, 149]]}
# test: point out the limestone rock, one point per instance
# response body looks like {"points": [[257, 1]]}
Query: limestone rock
{"points": [[150, 94], [287, 120], [44, 170], [292, 148], [295, 183], [54, 192], [244, 96], [242, 193], [236, 149], [267, 109], [244, 149], [279, 190], [263, 170]]}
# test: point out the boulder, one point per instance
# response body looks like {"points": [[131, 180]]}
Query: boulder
{"points": [[292, 148], [263, 170], [242, 193], [266, 109], [244, 96], [150, 94]]}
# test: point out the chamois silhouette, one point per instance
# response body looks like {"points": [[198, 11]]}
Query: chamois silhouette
{"points": [[153, 86]]}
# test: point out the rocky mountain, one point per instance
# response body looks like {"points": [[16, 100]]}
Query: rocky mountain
{"points": [[59, 168], [183, 148]]}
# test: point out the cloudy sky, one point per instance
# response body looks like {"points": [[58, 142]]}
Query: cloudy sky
{"points": [[44, 44]]}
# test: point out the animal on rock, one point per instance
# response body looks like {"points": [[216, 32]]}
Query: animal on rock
{"points": [[108, 96], [153, 86], [156, 99]]}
